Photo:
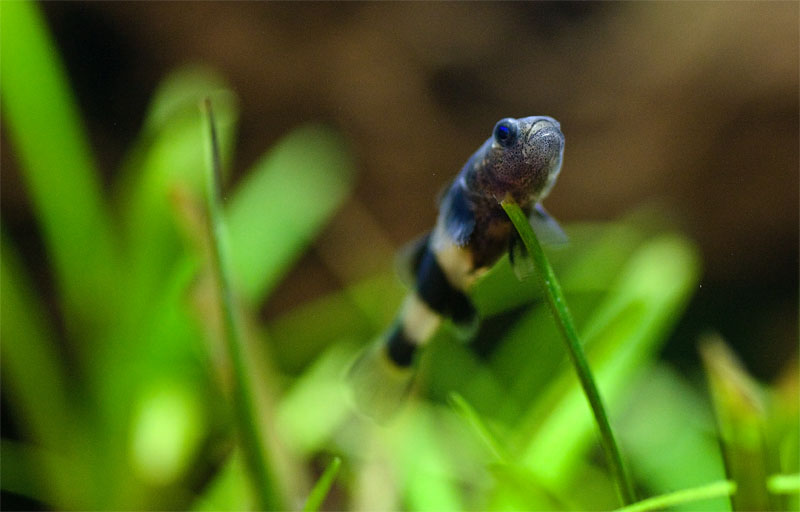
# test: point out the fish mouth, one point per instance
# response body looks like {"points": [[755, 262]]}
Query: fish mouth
{"points": [[544, 140]]}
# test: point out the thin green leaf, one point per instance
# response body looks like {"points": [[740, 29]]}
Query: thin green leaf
{"points": [[47, 133], [163, 172], [622, 335], [323, 486], [558, 305], [282, 203], [695, 494], [247, 418], [473, 419], [741, 416], [784, 484], [668, 423], [30, 361]]}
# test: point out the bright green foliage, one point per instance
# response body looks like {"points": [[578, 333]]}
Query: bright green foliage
{"points": [[322, 486], [140, 415]]}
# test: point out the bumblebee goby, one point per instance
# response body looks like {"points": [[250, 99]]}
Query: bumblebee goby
{"points": [[521, 160]]}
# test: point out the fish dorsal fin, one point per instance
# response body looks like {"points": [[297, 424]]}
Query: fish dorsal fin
{"points": [[457, 215]]}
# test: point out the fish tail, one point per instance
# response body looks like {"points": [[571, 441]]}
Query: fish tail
{"points": [[382, 375]]}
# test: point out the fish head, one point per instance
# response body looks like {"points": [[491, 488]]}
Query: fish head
{"points": [[523, 158]]}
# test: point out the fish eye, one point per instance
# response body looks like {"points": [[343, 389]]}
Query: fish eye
{"points": [[505, 132]]}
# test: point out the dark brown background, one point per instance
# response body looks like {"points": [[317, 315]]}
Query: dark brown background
{"points": [[692, 105]]}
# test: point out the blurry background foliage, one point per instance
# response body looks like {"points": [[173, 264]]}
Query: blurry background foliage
{"points": [[115, 382]]}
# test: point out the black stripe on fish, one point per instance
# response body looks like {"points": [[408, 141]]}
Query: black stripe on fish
{"points": [[400, 348], [436, 291]]}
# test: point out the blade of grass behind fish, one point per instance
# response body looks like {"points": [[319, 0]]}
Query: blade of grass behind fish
{"points": [[57, 167], [323, 486], [245, 406], [741, 414], [685, 497], [283, 201], [427, 473], [167, 160], [228, 489], [670, 437], [302, 333], [36, 387]]}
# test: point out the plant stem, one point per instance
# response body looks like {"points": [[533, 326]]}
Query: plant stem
{"points": [[247, 419], [558, 306]]}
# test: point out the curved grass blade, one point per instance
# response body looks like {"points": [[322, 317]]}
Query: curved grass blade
{"points": [[252, 436], [57, 166], [466, 411], [704, 492], [282, 203], [558, 306], [323, 486], [784, 484]]}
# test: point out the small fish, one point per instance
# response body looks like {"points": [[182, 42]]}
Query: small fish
{"points": [[521, 161]]}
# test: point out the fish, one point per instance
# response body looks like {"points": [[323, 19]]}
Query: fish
{"points": [[520, 161]]}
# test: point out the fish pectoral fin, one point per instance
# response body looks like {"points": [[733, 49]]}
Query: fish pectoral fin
{"points": [[459, 220], [409, 258], [521, 261], [547, 228]]}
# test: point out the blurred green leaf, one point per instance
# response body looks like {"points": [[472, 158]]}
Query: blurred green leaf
{"points": [[668, 431], [163, 176], [741, 417], [56, 165], [317, 403], [688, 497], [622, 335], [37, 386], [228, 491], [323, 486], [283, 202], [252, 434]]}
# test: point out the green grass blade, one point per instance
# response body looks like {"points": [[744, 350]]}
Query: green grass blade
{"points": [[473, 419], [282, 203], [784, 484], [558, 305], [162, 173], [37, 386], [704, 492], [741, 413], [622, 334], [668, 435], [252, 436], [323, 486], [44, 125]]}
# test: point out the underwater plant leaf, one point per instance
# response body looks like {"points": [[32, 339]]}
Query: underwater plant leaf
{"points": [[688, 497], [621, 336], [323, 486], [667, 423], [741, 411], [164, 173], [37, 385], [253, 437], [283, 202], [56, 165]]}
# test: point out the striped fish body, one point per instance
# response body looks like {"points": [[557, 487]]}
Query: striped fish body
{"points": [[521, 160]]}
